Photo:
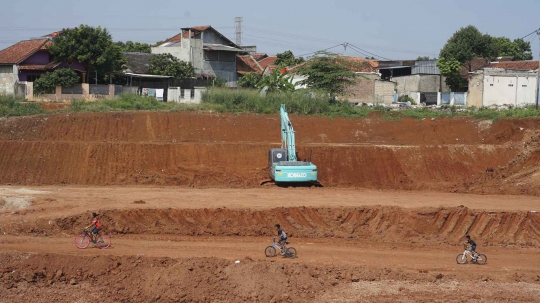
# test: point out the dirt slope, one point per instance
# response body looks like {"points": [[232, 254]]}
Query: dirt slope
{"points": [[201, 149]]}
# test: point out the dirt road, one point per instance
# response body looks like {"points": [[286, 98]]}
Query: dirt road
{"points": [[373, 260]]}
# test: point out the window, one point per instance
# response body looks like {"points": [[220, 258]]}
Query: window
{"points": [[491, 84], [510, 85], [210, 56], [226, 56], [524, 85], [32, 78]]}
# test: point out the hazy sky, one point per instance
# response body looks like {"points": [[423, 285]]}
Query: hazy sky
{"points": [[393, 29]]}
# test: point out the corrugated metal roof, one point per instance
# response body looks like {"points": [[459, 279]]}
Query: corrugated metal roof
{"points": [[221, 47]]}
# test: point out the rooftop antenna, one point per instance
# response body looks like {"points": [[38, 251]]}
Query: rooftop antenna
{"points": [[238, 24]]}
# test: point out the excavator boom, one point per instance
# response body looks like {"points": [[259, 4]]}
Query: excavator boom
{"points": [[283, 162]]}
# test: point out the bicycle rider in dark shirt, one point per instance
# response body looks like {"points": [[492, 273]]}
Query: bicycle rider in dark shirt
{"points": [[282, 236], [472, 245]]}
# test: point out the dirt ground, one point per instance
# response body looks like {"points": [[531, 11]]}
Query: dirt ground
{"points": [[179, 195]]}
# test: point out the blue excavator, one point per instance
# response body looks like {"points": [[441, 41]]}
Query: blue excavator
{"points": [[283, 163]]}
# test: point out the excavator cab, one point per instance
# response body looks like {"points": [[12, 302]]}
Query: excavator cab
{"points": [[282, 170]]}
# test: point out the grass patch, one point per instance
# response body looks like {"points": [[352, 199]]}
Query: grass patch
{"points": [[244, 101], [123, 103], [11, 106]]}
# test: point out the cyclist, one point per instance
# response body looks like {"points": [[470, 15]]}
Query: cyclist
{"points": [[282, 237], [96, 224], [472, 246]]}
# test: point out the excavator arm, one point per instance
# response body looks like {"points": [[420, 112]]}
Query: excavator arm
{"points": [[287, 135]]}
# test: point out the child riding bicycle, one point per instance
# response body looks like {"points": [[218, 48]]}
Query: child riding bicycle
{"points": [[472, 246], [96, 224], [282, 237]]}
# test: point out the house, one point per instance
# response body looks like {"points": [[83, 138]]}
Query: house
{"points": [[255, 63], [26, 61], [211, 53], [511, 83]]}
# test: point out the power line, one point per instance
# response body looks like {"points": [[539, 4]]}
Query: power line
{"points": [[322, 50], [356, 47], [535, 31]]}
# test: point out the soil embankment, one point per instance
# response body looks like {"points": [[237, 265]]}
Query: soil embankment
{"points": [[217, 150]]}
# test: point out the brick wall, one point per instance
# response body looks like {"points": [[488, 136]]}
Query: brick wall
{"points": [[384, 92], [363, 90]]}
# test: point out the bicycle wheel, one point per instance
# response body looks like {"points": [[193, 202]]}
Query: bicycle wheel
{"points": [[270, 251], [461, 259], [290, 252], [103, 241], [481, 259], [82, 241]]}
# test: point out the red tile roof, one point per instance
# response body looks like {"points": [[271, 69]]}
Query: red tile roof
{"points": [[246, 64], [520, 65], [19, 52], [356, 65], [362, 64], [259, 57], [267, 61], [476, 64], [48, 66]]}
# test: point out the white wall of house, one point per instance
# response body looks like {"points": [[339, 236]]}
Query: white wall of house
{"points": [[191, 50], [9, 75], [509, 89]]}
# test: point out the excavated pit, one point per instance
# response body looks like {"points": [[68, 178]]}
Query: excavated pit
{"points": [[39, 263], [201, 149]]}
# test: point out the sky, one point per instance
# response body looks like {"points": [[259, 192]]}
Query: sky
{"points": [[390, 29]]}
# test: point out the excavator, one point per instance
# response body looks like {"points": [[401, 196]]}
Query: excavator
{"points": [[283, 163]]}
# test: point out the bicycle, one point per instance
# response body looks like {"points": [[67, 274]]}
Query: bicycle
{"points": [[287, 252], [463, 258], [83, 240]]}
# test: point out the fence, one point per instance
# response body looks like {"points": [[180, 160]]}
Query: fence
{"points": [[179, 95], [83, 91], [438, 98], [74, 90], [452, 99]]}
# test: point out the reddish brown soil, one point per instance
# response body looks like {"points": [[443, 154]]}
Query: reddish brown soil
{"points": [[178, 244], [201, 149]]}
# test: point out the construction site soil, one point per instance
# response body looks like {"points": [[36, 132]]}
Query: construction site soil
{"points": [[179, 194]]}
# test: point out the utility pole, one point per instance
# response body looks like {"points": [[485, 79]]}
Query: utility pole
{"points": [[538, 70], [238, 25]]}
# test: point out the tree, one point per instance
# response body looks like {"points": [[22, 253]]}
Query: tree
{"points": [[523, 50], [46, 84], [287, 59], [517, 49], [466, 44], [249, 80], [91, 46], [135, 47], [329, 73], [276, 82], [420, 58], [450, 69], [168, 65]]}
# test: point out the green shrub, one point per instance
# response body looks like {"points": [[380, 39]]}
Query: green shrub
{"points": [[47, 83], [11, 106]]}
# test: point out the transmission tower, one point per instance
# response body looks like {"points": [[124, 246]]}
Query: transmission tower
{"points": [[238, 24]]}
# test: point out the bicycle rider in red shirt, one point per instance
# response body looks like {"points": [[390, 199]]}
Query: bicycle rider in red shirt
{"points": [[96, 224]]}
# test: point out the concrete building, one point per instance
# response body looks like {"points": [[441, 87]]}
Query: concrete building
{"points": [[512, 83], [212, 54]]}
